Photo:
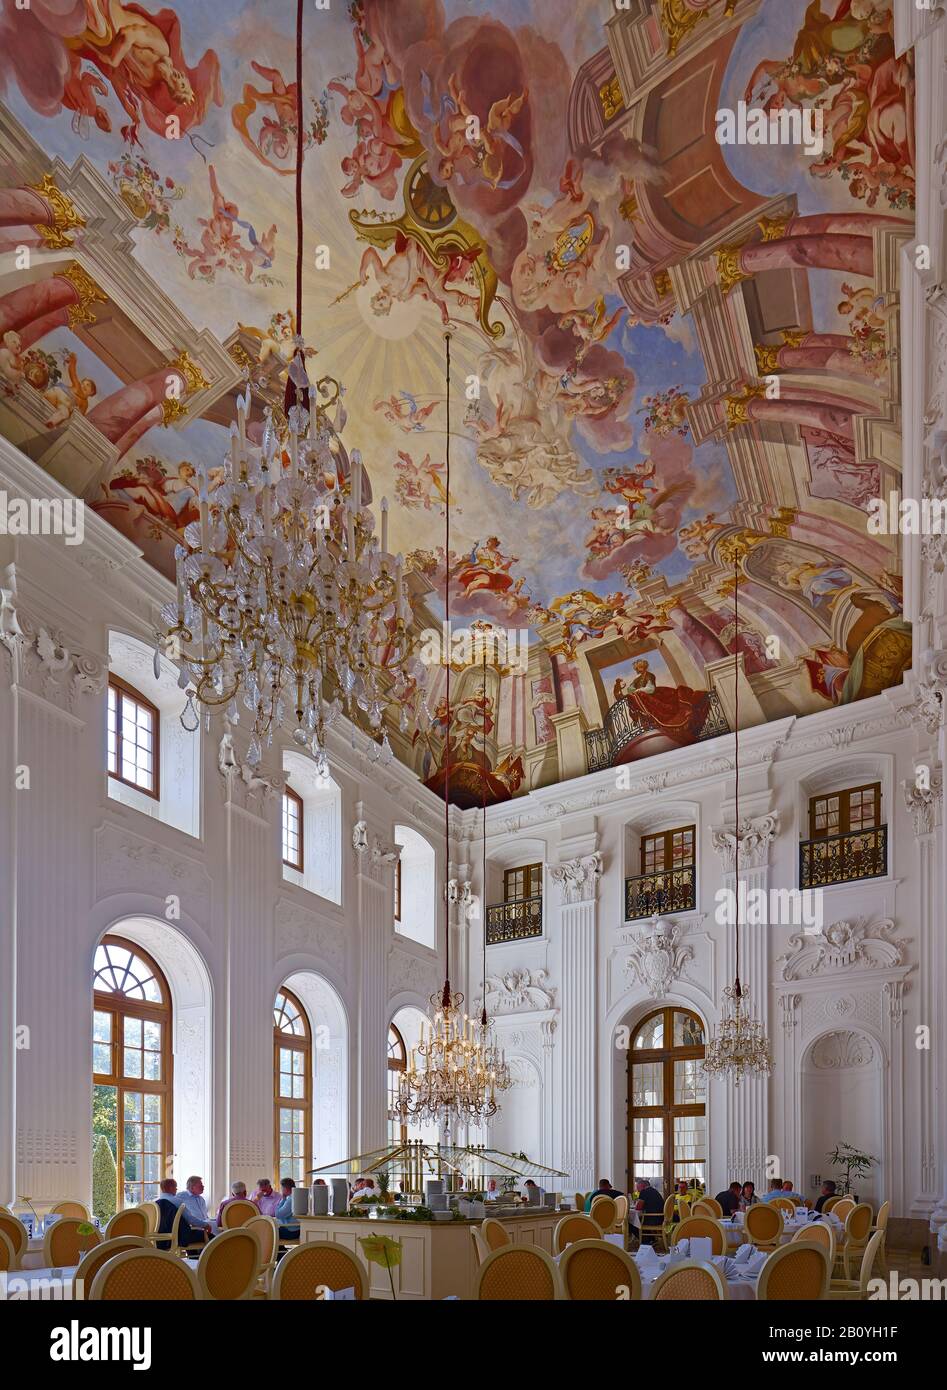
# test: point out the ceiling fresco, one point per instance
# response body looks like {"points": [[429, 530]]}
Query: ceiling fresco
{"points": [[674, 366]]}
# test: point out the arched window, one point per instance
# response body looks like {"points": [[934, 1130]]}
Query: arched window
{"points": [[667, 1099], [292, 1087], [131, 1065], [397, 1063]]}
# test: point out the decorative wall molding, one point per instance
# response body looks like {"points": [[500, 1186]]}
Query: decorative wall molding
{"points": [[410, 974], [42, 661], [577, 879], [858, 944], [842, 1051], [519, 990], [128, 863], [756, 834], [298, 930], [925, 803], [657, 958], [247, 787]]}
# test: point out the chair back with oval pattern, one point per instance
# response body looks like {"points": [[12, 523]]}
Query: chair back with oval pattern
{"points": [[305, 1272], [598, 1270], [266, 1230], [68, 1207], [91, 1263], [518, 1273], [858, 1223], [17, 1235], [8, 1258], [574, 1227], [621, 1212], [495, 1233], [580, 1201], [763, 1224], [152, 1214], [831, 1202], [786, 1205], [689, 1279], [714, 1206], [238, 1213], [603, 1212], [65, 1243], [842, 1207], [130, 1222], [818, 1233], [701, 1208], [229, 1265], [145, 1276], [702, 1226], [799, 1270]]}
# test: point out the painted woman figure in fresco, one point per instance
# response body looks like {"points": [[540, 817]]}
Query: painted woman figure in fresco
{"points": [[486, 567], [817, 582]]}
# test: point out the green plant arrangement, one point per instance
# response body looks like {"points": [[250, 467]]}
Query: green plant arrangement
{"points": [[104, 1180], [847, 1159]]}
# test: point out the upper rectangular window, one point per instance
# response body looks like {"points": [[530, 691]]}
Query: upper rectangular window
{"points": [[524, 882], [840, 813], [671, 849], [133, 754], [292, 829]]}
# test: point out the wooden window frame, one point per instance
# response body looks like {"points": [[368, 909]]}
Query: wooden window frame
{"points": [[844, 795], [532, 872], [297, 800], [667, 838], [122, 687], [667, 1055], [120, 1006], [298, 1043], [398, 889], [398, 1065]]}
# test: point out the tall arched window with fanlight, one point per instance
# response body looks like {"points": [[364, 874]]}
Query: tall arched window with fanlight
{"points": [[292, 1087], [667, 1099], [131, 1065], [397, 1063]]}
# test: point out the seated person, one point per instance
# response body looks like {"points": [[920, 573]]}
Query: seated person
{"points": [[238, 1193], [604, 1189], [775, 1189], [168, 1202], [650, 1204], [730, 1200], [828, 1190], [748, 1196], [265, 1198], [195, 1207], [288, 1228], [364, 1188], [790, 1191]]}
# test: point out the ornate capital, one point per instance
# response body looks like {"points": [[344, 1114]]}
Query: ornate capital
{"points": [[47, 665], [65, 219], [193, 376], [925, 802], [773, 228], [88, 291], [578, 878], [729, 270], [766, 359], [657, 958], [738, 407], [755, 835], [518, 991], [611, 99]]}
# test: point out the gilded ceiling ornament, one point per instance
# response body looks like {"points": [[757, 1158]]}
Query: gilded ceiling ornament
{"points": [[736, 546], [88, 291], [662, 283], [767, 359], [678, 18], [195, 378], [55, 234], [780, 523], [738, 407], [794, 337], [774, 228], [729, 270], [611, 99], [172, 410]]}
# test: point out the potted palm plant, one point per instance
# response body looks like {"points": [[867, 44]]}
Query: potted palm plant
{"points": [[852, 1163]]}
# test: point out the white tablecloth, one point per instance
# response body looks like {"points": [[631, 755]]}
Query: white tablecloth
{"points": [[740, 1288], [735, 1227]]}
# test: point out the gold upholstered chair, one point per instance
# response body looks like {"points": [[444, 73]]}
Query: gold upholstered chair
{"points": [[495, 1233], [17, 1235], [91, 1263], [152, 1213], [574, 1227], [599, 1270], [786, 1205], [881, 1224], [842, 1207], [133, 1221], [715, 1208], [305, 1272], [8, 1259], [689, 1279], [603, 1212], [481, 1248], [858, 1225], [858, 1288], [145, 1276], [238, 1213], [229, 1265], [702, 1226], [818, 1233], [518, 1273], [68, 1207], [266, 1231], [799, 1270], [763, 1225], [67, 1240]]}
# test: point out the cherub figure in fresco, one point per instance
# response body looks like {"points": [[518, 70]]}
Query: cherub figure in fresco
{"points": [[584, 612], [276, 138], [221, 241], [380, 146], [409, 271], [417, 483], [64, 402], [607, 534], [12, 362], [403, 410], [481, 158], [632, 484], [868, 317], [694, 539], [590, 326], [141, 56]]}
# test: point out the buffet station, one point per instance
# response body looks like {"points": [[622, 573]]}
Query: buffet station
{"points": [[412, 1230]]}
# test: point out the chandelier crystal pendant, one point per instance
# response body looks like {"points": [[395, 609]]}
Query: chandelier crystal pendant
{"points": [[456, 1069], [739, 1046], [287, 601]]}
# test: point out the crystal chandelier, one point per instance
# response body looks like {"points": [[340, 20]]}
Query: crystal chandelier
{"points": [[739, 1046], [286, 598], [456, 1069]]}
